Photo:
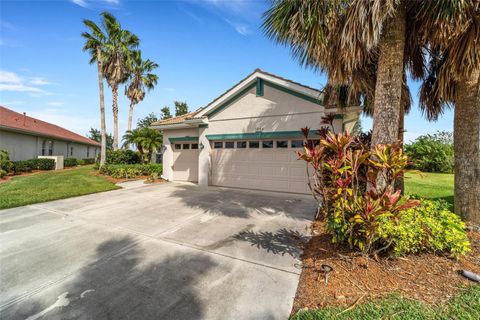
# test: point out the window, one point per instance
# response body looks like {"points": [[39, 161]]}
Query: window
{"points": [[186, 146], [241, 144], [194, 145], [88, 152], [253, 144], [229, 145], [282, 144], [267, 144], [71, 151], [218, 145], [297, 143], [178, 146], [47, 148]]}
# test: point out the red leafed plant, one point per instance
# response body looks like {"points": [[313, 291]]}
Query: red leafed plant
{"points": [[343, 173]]}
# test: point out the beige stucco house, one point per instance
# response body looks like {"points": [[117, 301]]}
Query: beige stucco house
{"points": [[247, 137]]}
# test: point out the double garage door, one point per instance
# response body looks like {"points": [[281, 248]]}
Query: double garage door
{"points": [[262, 164]]}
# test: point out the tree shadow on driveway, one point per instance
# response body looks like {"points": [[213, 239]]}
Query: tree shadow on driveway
{"points": [[239, 203], [123, 285], [282, 242]]}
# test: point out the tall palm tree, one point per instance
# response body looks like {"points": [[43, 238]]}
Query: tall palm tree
{"points": [[146, 140], [454, 79], [118, 48], [94, 43], [140, 80]]}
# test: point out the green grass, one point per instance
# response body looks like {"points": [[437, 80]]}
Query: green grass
{"points": [[430, 185], [464, 306], [52, 185]]}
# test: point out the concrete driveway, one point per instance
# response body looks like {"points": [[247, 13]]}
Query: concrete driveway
{"points": [[164, 251]]}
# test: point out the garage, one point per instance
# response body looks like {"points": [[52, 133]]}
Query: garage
{"points": [[185, 161], [259, 165]]}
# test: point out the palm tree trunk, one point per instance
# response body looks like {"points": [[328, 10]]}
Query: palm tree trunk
{"points": [[130, 116], [388, 88], [399, 182], [115, 116], [466, 139], [103, 150]]}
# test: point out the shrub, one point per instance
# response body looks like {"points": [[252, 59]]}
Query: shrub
{"points": [[22, 166], [131, 170], [428, 227], [70, 162], [42, 164], [6, 165], [4, 155], [432, 153], [3, 173], [121, 157], [88, 161]]}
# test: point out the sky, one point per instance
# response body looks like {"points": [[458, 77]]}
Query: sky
{"points": [[202, 47]]}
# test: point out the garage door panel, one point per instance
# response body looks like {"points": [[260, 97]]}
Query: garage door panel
{"points": [[263, 169], [185, 165]]}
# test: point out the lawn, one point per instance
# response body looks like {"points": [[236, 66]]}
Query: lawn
{"points": [[52, 185], [464, 306], [430, 185]]}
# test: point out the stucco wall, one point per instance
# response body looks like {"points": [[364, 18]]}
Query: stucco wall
{"points": [[23, 147], [274, 111]]}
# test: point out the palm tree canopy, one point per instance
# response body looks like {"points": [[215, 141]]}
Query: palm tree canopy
{"points": [[141, 78], [145, 139]]}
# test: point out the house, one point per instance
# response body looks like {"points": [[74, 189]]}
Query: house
{"points": [[26, 138], [247, 137]]}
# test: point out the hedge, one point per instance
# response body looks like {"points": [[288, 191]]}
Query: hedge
{"points": [[119, 171], [70, 162], [22, 166], [121, 157], [42, 164]]}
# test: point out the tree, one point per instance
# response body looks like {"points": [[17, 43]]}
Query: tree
{"points": [[117, 55], [147, 121], [181, 108], [146, 141], [140, 80], [95, 43], [165, 113], [432, 152], [96, 135]]}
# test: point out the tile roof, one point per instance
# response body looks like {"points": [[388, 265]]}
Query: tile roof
{"points": [[17, 121], [178, 119]]}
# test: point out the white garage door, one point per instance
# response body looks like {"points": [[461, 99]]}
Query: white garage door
{"points": [[185, 161], [262, 164]]}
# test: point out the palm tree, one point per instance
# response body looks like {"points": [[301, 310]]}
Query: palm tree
{"points": [[118, 48], [145, 139], [139, 79], [454, 79], [94, 44]]}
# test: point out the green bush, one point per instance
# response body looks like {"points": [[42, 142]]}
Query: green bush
{"points": [[70, 162], [6, 165], [428, 227], [3, 173], [119, 171], [4, 155], [22, 166], [42, 164], [88, 161], [432, 153], [121, 157]]}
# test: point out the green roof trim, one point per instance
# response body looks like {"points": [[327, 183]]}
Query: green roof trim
{"points": [[294, 93], [203, 125], [182, 139], [259, 135], [229, 101]]}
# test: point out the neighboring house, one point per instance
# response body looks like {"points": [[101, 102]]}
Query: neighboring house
{"points": [[247, 137], [26, 138]]}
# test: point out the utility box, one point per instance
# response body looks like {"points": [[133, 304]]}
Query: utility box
{"points": [[58, 161]]}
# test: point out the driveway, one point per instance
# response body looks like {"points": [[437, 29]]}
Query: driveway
{"points": [[165, 251]]}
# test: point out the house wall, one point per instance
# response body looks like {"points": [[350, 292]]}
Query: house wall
{"points": [[168, 151], [23, 146]]}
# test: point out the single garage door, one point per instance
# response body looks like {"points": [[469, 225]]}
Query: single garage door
{"points": [[185, 161], [259, 164]]}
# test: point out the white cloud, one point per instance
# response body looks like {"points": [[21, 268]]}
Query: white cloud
{"points": [[10, 81], [88, 3], [55, 103], [239, 27], [81, 3], [75, 123], [13, 103]]}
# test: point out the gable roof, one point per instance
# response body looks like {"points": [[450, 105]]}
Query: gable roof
{"points": [[15, 121], [292, 87]]}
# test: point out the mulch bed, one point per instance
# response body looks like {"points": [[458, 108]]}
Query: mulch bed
{"points": [[426, 277], [116, 180]]}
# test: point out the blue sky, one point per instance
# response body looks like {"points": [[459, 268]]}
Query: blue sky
{"points": [[202, 47]]}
